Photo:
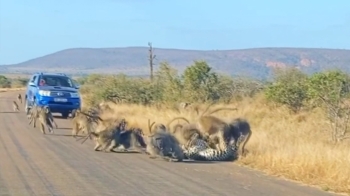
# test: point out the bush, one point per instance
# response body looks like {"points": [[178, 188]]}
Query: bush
{"points": [[4, 82], [289, 88], [12, 83], [19, 82]]}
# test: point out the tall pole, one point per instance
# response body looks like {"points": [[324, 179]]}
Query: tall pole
{"points": [[150, 59]]}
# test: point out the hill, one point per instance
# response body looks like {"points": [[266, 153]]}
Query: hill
{"points": [[133, 60]]}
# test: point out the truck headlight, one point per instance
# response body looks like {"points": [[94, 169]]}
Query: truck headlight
{"points": [[74, 95], [44, 93]]}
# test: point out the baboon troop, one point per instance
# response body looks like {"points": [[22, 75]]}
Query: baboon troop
{"points": [[205, 138]]}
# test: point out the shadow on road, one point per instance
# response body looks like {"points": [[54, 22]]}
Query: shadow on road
{"points": [[58, 117], [65, 135], [125, 152], [64, 128], [197, 162]]}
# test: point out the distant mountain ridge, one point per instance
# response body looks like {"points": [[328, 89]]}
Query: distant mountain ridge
{"points": [[256, 62]]}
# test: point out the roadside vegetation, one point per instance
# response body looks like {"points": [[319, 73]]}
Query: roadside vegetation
{"points": [[18, 82], [7, 84], [300, 122]]}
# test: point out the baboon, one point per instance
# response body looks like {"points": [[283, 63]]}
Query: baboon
{"points": [[41, 113], [109, 138], [33, 114], [162, 144], [132, 139], [83, 122], [80, 123], [19, 98], [239, 130], [157, 127], [209, 127], [185, 133], [73, 114], [15, 106], [107, 122], [50, 117]]}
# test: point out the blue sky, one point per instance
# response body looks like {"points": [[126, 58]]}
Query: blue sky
{"points": [[34, 28]]}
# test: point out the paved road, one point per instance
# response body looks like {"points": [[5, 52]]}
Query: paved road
{"points": [[36, 164]]}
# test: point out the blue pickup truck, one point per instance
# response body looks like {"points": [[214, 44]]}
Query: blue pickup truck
{"points": [[56, 90]]}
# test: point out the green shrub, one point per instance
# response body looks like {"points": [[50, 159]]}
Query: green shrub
{"points": [[289, 88]]}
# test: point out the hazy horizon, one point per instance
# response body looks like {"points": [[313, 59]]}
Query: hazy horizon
{"points": [[33, 29]]}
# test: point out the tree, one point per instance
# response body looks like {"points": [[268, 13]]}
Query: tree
{"points": [[150, 59], [200, 82], [169, 81], [289, 88], [330, 90]]}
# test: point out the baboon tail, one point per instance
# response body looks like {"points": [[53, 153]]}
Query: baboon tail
{"points": [[94, 134], [246, 140], [220, 109], [176, 118], [206, 109]]}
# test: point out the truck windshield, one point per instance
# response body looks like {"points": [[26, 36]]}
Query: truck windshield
{"points": [[55, 81]]}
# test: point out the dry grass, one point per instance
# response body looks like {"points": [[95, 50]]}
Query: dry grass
{"points": [[16, 75], [12, 89], [295, 146]]}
